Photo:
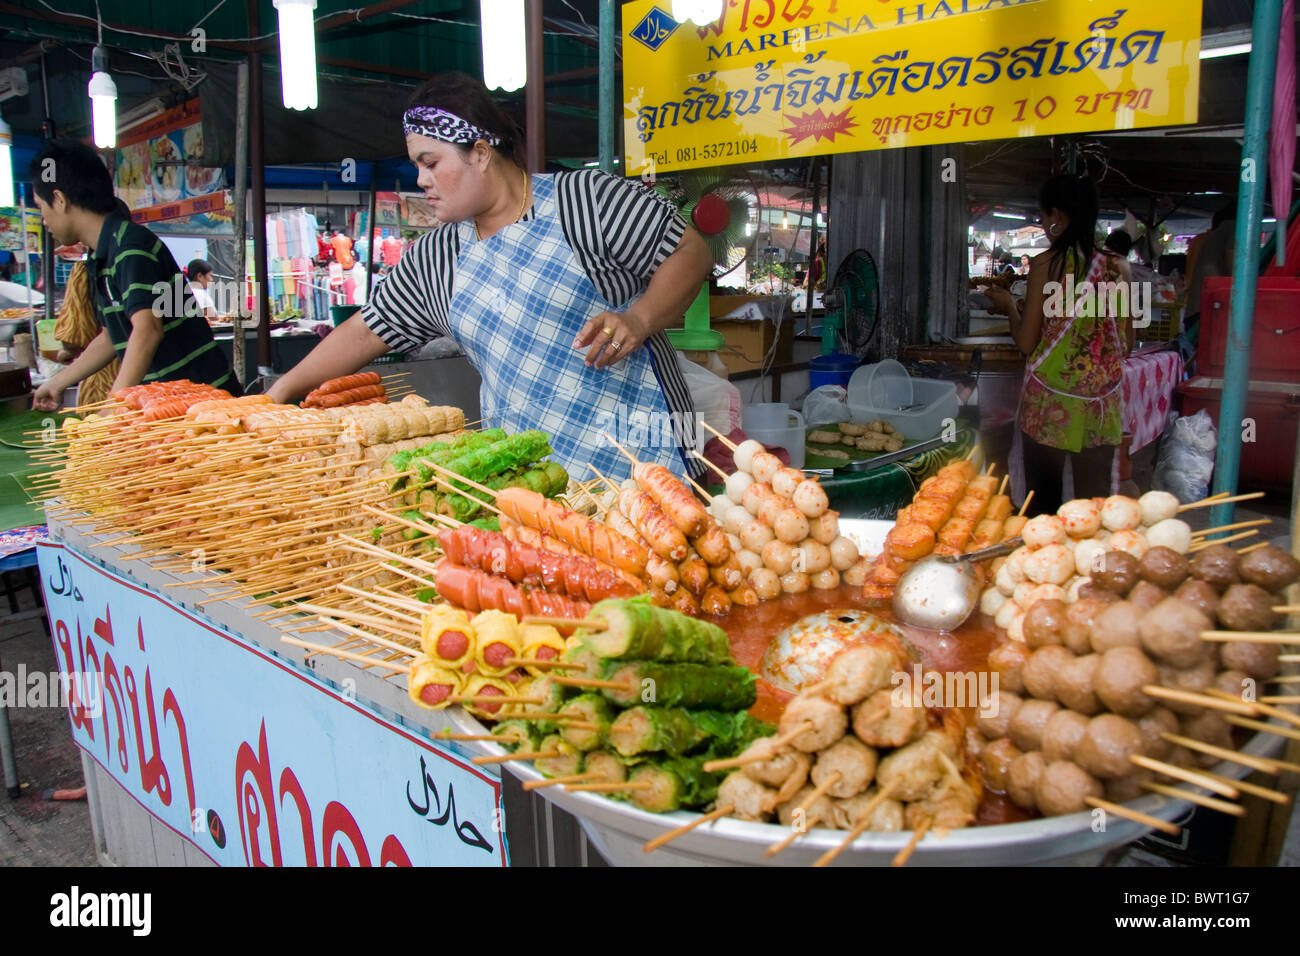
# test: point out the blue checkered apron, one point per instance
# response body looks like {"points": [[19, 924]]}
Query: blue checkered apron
{"points": [[519, 300]]}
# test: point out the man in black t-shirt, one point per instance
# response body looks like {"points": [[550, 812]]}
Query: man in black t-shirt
{"points": [[148, 316]]}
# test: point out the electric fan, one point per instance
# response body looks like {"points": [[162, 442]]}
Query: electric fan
{"points": [[852, 302]]}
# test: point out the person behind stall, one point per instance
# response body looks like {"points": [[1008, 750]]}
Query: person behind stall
{"points": [[1070, 407], [1209, 254], [1024, 265], [558, 288], [1006, 268], [126, 262], [199, 272], [1119, 242]]}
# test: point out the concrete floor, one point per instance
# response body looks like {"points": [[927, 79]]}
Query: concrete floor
{"points": [[35, 831]]}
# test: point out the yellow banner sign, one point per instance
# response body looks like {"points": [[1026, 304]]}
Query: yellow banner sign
{"points": [[774, 79]]}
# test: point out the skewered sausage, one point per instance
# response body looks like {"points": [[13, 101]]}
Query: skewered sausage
{"points": [[581, 578], [676, 500], [1121, 674], [712, 544], [663, 537], [591, 538], [694, 574], [1063, 787]]}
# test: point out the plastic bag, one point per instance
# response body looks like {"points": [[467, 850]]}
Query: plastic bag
{"points": [[717, 401], [826, 405], [1186, 459]]}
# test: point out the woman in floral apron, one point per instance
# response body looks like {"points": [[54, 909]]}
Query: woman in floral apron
{"points": [[1071, 402], [558, 288]]}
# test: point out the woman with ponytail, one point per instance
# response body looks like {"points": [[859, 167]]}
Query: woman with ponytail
{"points": [[1071, 402]]}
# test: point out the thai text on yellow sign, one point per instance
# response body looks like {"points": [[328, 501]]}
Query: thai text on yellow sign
{"points": [[773, 79]]}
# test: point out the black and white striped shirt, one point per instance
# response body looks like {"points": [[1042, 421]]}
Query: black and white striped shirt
{"points": [[620, 233]]}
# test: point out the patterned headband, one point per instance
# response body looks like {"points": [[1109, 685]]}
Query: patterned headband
{"points": [[448, 127]]}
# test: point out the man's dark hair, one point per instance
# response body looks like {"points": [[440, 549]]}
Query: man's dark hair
{"points": [[1119, 242], [79, 174], [198, 267]]}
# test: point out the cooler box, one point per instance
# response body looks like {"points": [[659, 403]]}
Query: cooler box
{"points": [[1275, 409], [1275, 332]]}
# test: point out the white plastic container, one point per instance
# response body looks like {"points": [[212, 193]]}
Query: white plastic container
{"points": [[763, 423], [933, 402]]}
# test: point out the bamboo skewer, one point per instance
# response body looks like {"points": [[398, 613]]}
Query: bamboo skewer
{"points": [[555, 781], [518, 755], [347, 655], [1231, 527], [1253, 547], [860, 826], [1203, 544], [721, 437], [587, 624], [1215, 500], [1223, 753], [1024, 507], [1252, 637], [1210, 803], [630, 457], [686, 828], [495, 699], [1261, 727], [1232, 705], [777, 742], [592, 682], [1280, 699], [700, 489], [626, 787], [721, 474], [905, 853], [498, 738], [804, 804], [1164, 826], [1194, 777], [373, 638]]}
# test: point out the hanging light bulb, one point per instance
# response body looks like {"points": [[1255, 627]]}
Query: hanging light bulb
{"points": [[785, 220], [297, 53], [505, 51], [6, 166], [697, 11], [103, 100]]}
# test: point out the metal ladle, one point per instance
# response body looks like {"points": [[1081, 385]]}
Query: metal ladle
{"points": [[939, 592]]}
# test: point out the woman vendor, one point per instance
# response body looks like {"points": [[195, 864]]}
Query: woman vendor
{"points": [[1071, 402], [557, 287]]}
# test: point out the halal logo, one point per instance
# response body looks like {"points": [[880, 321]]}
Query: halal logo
{"points": [[655, 27], [216, 829]]}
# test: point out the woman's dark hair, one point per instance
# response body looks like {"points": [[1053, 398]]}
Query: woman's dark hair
{"points": [[1120, 242], [198, 267], [469, 99], [75, 170], [1075, 196]]}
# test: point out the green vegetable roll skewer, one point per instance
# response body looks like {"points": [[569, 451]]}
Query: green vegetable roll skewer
{"points": [[588, 709], [636, 629], [568, 763], [675, 783], [717, 687]]}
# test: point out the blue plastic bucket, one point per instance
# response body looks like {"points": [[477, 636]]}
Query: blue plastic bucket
{"points": [[833, 369]]}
